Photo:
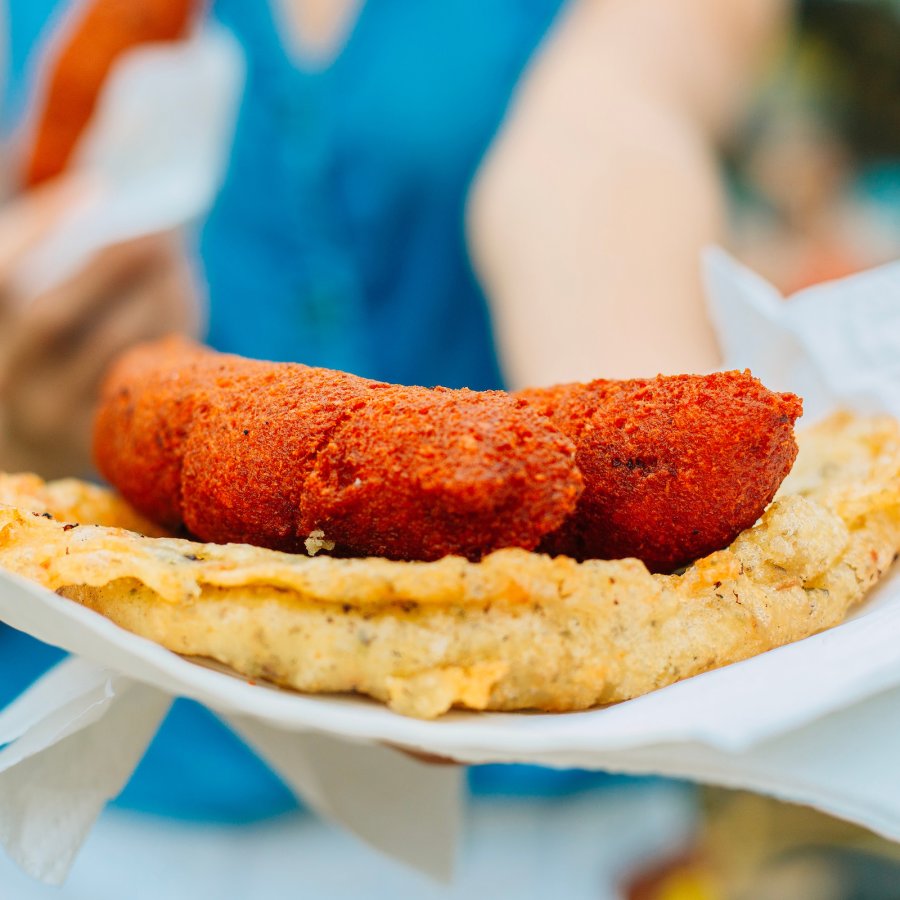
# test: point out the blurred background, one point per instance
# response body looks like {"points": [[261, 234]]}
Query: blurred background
{"points": [[814, 169], [428, 193]]}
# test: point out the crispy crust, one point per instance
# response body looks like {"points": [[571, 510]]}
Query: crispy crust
{"points": [[72, 500], [516, 631], [234, 450], [239, 450], [674, 467]]}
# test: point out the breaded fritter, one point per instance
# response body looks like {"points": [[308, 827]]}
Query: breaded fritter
{"points": [[664, 470], [674, 467], [269, 454]]}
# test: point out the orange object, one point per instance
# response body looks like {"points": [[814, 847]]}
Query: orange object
{"points": [[674, 467], [80, 63], [274, 454]]}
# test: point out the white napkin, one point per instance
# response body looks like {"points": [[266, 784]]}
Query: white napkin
{"points": [[72, 742], [74, 738], [835, 344], [154, 154], [844, 764], [408, 809]]}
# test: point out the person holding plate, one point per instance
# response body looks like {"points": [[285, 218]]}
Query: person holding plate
{"points": [[466, 194]]}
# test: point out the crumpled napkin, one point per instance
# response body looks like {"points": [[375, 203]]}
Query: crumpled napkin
{"points": [[74, 738], [836, 344], [153, 155]]}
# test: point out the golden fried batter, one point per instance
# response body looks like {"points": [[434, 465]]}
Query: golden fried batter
{"points": [[518, 630], [72, 500]]}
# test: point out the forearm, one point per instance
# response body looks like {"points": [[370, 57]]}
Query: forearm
{"points": [[588, 217], [605, 279]]}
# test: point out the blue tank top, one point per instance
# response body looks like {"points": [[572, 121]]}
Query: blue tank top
{"points": [[347, 187], [337, 240]]}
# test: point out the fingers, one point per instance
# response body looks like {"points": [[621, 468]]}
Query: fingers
{"points": [[61, 389], [71, 369], [28, 219], [63, 315], [55, 358], [430, 759]]}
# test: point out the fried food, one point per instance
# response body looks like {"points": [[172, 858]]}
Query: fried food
{"points": [[518, 630], [73, 500], [287, 456], [103, 31], [674, 467], [272, 454]]}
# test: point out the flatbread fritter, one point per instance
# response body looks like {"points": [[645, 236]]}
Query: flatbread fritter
{"points": [[518, 630]]}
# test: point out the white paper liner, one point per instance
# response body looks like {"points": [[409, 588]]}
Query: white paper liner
{"points": [[154, 154], [813, 722]]}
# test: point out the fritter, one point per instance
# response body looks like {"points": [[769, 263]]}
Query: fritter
{"points": [[665, 470], [274, 453], [674, 467], [515, 631]]}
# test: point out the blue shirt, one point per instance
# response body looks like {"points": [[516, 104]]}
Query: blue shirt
{"points": [[337, 240]]}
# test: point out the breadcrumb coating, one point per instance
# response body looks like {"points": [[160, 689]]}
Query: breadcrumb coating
{"points": [[674, 467], [664, 470], [268, 453]]}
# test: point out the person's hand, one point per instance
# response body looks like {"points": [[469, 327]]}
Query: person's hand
{"points": [[55, 347], [429, 759]]}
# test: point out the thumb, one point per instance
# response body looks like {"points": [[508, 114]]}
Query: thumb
{"points": [[29, 218]]}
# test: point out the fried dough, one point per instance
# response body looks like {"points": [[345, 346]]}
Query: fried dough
{"points": [[664, 470], [518, 630]]}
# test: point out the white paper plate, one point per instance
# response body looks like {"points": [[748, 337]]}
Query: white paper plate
{"points": [[731, 708]]}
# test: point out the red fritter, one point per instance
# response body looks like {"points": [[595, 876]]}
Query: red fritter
{"points": [[266, 453], [88, 46], [440, 471], [674, 467]]}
